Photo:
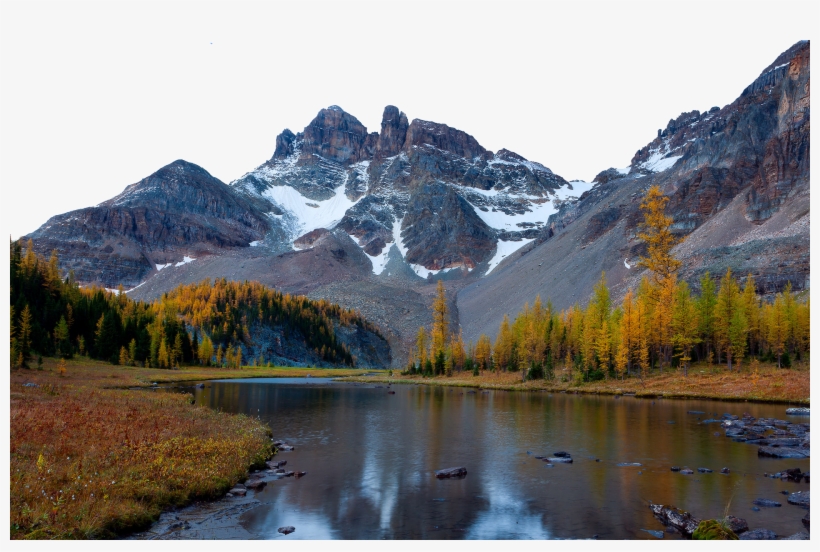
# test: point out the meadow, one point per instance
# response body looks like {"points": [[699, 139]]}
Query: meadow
{"points": [[92, 457]]}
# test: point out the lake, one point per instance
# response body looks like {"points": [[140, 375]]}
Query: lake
{"points": [[371, 457]]}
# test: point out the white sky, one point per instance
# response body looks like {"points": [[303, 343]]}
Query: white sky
{"points": [[95, 96]]}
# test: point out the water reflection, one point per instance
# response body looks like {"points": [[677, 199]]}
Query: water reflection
{"points": [[371, 457]]}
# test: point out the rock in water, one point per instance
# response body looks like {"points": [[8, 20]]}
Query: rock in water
{"points": [[766, 502], [559, 460], [673, 517], [287, 530], [737, 525], [704, 470], [623, 464], [256, 484], [561, 454], [802, 535], [758, 534], [687, 471], [806, 520], [800, 498], [782, 452], [447, 473], [801, 411], [656, 534]]}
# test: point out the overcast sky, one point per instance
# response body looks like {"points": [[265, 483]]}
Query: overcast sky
{"points": [[96, 96]]}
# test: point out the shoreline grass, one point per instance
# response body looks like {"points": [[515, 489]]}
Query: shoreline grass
{"points": [[91, 459], [767, 385]]}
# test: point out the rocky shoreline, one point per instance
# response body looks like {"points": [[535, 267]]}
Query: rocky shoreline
{"points": [[775, 439]]}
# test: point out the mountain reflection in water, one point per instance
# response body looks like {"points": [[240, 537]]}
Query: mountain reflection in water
{"points": [[370, 459]]}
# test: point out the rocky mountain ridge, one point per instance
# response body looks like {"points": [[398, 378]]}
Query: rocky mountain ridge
{"points": [[371, 219]]}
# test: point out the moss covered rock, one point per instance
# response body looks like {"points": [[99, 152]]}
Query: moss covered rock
{"points": [[712, 529]]}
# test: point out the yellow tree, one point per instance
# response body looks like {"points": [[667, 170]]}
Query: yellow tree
{"points": [[752, 311], [777, 327], [726, 323], [685, 325], [440, 322], [457, 350], [502, 351], [655, 231], [421, 348], [483, 352]]}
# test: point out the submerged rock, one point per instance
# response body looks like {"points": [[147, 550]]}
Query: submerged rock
{"points": [[802, 535], [737, 525], [800, 498], [766, 502], [806, 520], [656, 534], [782, 452], [256, 484], [287, 530], [623, 464], [704, 470], [560, 460], [447, 473], [793, 474], [759, 534]]}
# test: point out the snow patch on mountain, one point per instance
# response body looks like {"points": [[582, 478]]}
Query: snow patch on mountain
{"points": [[504, 249], [185, 260], [578, 188], [303, 215]]}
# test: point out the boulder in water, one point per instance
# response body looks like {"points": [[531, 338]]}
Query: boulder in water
{"points": [[766, 502], [447, 473], [759, 534]]}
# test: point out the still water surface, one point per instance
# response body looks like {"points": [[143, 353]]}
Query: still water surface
{"points": [[370, 459]]}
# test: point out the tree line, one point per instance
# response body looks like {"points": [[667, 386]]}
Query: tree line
{"points": [[205, 323], [662, 323]]}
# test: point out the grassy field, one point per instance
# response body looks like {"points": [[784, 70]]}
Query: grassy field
{"points": [[767, 384], [91, 458]]}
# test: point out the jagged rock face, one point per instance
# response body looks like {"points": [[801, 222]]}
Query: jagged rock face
{"points": [[437, 216], [757, 146], [337, 136], [179, 210], [369, 184], [393, 134]]}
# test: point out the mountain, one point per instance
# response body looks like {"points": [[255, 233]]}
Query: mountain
{"points": [[370, 220], [178, 212], [367, 220], [738, 183]]}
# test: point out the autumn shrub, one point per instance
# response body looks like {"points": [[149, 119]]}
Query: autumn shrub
{"points": [[88, 462]]}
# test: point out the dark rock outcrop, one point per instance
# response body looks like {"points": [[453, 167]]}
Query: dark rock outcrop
{"points": [[448, 473]]}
